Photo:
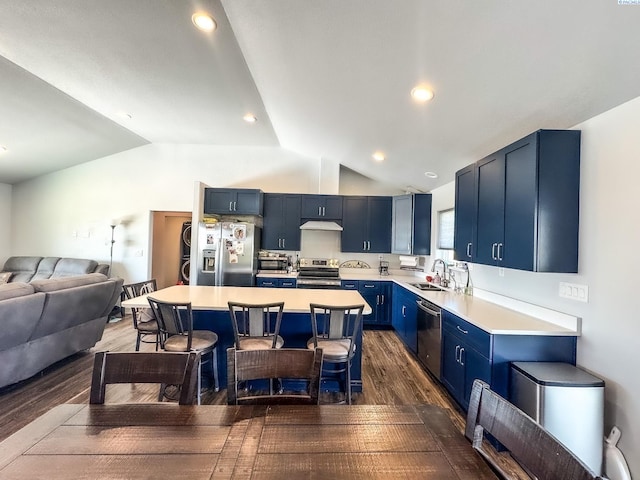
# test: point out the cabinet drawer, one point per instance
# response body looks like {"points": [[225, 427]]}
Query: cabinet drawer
{"points": [[369, 287], [472, 335], [349, 284]]}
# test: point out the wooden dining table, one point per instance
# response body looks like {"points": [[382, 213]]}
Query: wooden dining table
{"points": [[163, 440]]}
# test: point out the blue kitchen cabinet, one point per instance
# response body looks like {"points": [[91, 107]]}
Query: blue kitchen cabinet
{"points": [[276, 282], [281, 221], [411, 224], [528, 204], [321, 207], [405, 316], [469, 352], [366, 224], [235, 201], [465, 214], [377, 295]]}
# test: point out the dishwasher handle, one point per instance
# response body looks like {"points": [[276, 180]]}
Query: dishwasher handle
{"points": [[426, 308]]}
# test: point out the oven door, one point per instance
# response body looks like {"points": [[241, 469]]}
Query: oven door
{"points": [[321, 283]]}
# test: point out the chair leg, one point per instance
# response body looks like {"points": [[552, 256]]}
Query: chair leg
{"points": [[348, 385], [138, 338], [199, 379], [214, 367], [157, 340]]}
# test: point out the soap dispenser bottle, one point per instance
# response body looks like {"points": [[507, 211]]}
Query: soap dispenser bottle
{"points": [[437, 279]]}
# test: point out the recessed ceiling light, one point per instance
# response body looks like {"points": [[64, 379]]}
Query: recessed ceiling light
{"points": [[250, 118], [3, 149], [430, 174], [378, 156], [422, 93], [204, 22]]}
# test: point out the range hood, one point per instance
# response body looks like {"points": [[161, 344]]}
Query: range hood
{"points": [[321, 225]]}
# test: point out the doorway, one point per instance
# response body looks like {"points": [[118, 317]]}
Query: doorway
{"points": [[166, 247]]}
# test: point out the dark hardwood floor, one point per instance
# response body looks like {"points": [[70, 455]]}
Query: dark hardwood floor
{"points": [[390, 375]]}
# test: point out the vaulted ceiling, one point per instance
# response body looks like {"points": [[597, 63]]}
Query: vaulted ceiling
{"points": [[328, 79]]}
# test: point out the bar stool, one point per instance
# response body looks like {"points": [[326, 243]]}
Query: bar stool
{"points": [[175, 322], [143, 320], [335, 329], [255, 328]]}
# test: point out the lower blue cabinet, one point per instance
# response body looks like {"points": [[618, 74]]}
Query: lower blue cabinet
{"points": [[405, 316], [276, 282], [378, 295]]}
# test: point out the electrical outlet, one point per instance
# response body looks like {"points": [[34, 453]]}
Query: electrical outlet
{"points": [[574, 291]]}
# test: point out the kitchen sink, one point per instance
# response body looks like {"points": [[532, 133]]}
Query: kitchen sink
{"points": [[427, 286]]}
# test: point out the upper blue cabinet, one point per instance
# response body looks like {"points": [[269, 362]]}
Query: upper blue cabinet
{"points": [[281, 229], [233, 201], [411, 224], [519, 207], [366, 224], [322, 207]]}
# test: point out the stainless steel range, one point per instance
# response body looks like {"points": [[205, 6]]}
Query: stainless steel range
{"points": [[319, 273]]}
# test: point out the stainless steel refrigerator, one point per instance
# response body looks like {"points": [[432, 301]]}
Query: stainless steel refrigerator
{"points": [[227, 253]]}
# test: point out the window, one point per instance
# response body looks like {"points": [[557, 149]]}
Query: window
{"points": [[444, 244]]}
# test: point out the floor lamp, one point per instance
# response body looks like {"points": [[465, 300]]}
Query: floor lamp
{"points": [[113, 225]]}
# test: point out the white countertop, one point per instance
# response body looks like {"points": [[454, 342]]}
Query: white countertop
{"points": [[487, 315], [217, 298]]}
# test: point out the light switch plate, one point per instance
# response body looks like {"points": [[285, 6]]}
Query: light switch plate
{"points": [[574, 291]]}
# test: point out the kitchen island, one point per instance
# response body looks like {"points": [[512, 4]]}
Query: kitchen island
{"points": [[211, 312]]}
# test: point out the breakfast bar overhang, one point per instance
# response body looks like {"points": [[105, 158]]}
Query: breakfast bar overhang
{"points": [[211, 312]]}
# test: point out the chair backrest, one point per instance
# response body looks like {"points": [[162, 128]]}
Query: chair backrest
{"points": [[173, 319], [537, 451], [336, 322], [282, 363], [170, 368], [133, 290], [255, 320]]}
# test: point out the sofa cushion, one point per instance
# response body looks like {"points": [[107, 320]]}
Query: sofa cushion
{"points": [[14, 290], [23, 268], [5, 277], [67, 267], [45, 268], [61, 283]]}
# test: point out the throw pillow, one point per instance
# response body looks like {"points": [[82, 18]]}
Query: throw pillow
{"points": [[4, 277]]}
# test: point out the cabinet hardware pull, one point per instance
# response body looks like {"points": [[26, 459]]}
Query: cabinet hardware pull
{"points": [[461, 330], [403, 309], [493, 251], [469, 249], [235, 206], [230, 206], [500, 247], [377, 299], [461, 353], [283, 243], [364, 245], [323, 212], [319, 211], [368, 245], [457, 353], [382, 299]]}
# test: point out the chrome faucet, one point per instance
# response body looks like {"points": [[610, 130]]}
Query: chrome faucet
{"points": [[445, 279]]}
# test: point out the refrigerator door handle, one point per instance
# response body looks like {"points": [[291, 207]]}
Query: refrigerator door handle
{"points": [[219, 256]]}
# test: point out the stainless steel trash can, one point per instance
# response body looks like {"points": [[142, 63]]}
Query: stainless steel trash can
{"points": [[566, 401]]}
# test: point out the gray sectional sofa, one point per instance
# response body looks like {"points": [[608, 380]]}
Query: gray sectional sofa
{"points": [[51, 308]]}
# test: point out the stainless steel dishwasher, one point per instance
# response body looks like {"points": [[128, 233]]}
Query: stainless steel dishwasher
{"points": [[429, 336]]}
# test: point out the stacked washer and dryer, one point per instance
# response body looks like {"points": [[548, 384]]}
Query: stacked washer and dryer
{"points": [[185, 258]]}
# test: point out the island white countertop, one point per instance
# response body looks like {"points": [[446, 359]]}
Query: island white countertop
{"points": [[217, 298]]}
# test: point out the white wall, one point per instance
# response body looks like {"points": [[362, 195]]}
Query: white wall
{"points": [[68, 213], [609, 239], [5, 222]]}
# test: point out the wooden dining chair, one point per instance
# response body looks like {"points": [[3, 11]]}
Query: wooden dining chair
{"points": [[539, 453], [164, 368], [175, 322], [285, 363], [143, 319], [335, 330]]}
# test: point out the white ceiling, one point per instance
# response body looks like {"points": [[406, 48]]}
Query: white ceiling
{"points": [[326, 78]]}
